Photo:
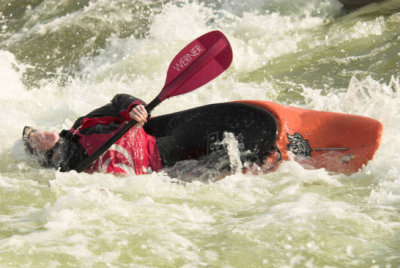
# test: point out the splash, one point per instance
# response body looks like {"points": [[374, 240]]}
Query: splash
{"points": [[61, 59]]}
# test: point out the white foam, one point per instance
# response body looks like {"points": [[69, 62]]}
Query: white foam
{"points": [[244, 219]]}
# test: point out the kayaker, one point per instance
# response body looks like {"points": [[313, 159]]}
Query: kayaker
{"points": [[135, 153]]}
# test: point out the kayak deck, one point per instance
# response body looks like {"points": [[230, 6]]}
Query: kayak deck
{"points": [[335, 141], [254, 128]]}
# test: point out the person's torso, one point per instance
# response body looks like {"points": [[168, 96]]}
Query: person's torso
{"points": [[134, 153]]}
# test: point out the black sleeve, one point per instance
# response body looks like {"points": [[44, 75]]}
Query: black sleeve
{"points": [[119, 106]]}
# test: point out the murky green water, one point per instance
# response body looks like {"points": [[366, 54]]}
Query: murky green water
{"points": [[61, 59]]}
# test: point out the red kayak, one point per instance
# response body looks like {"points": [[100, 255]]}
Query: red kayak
{"points": [[335, 141]]}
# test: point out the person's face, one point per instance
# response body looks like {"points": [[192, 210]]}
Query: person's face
{"points": [[43, 140]]}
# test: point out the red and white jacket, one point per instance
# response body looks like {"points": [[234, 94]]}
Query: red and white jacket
{"points": [[134, 153]]}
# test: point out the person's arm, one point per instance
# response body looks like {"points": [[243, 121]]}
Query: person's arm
{"points": [[124, 103], [120, 106]]}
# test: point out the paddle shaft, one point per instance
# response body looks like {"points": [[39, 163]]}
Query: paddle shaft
{"points": [[127, 126], [186, 74], [168, 91]]}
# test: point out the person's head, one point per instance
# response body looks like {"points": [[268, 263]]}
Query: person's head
{"points": [[40, 143]]}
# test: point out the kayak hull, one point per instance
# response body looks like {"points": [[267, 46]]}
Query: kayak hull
{"points": [[337, 142]]}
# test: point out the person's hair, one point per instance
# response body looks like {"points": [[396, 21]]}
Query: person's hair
{"points": [[25, 138]]}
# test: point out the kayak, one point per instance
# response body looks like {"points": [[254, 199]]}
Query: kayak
{"points": [[337, 142]]}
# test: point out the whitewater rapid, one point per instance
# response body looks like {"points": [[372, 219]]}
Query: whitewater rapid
{"points": [[59, 60]]}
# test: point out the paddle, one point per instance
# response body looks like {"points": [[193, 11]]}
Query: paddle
{"points": [[196, 64]]}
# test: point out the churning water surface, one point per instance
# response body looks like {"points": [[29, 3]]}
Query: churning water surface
{"points": [[61, 59]]}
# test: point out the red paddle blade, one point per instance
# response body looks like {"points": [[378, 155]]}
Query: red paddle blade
{"points": [[196, 64]]}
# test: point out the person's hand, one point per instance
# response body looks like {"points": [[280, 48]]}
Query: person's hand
{"points": [[139, 114]]}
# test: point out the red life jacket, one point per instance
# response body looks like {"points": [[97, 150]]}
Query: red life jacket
{"points": [[135, 152]]}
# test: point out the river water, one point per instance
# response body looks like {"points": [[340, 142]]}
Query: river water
{"points": [[61, 59]]}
